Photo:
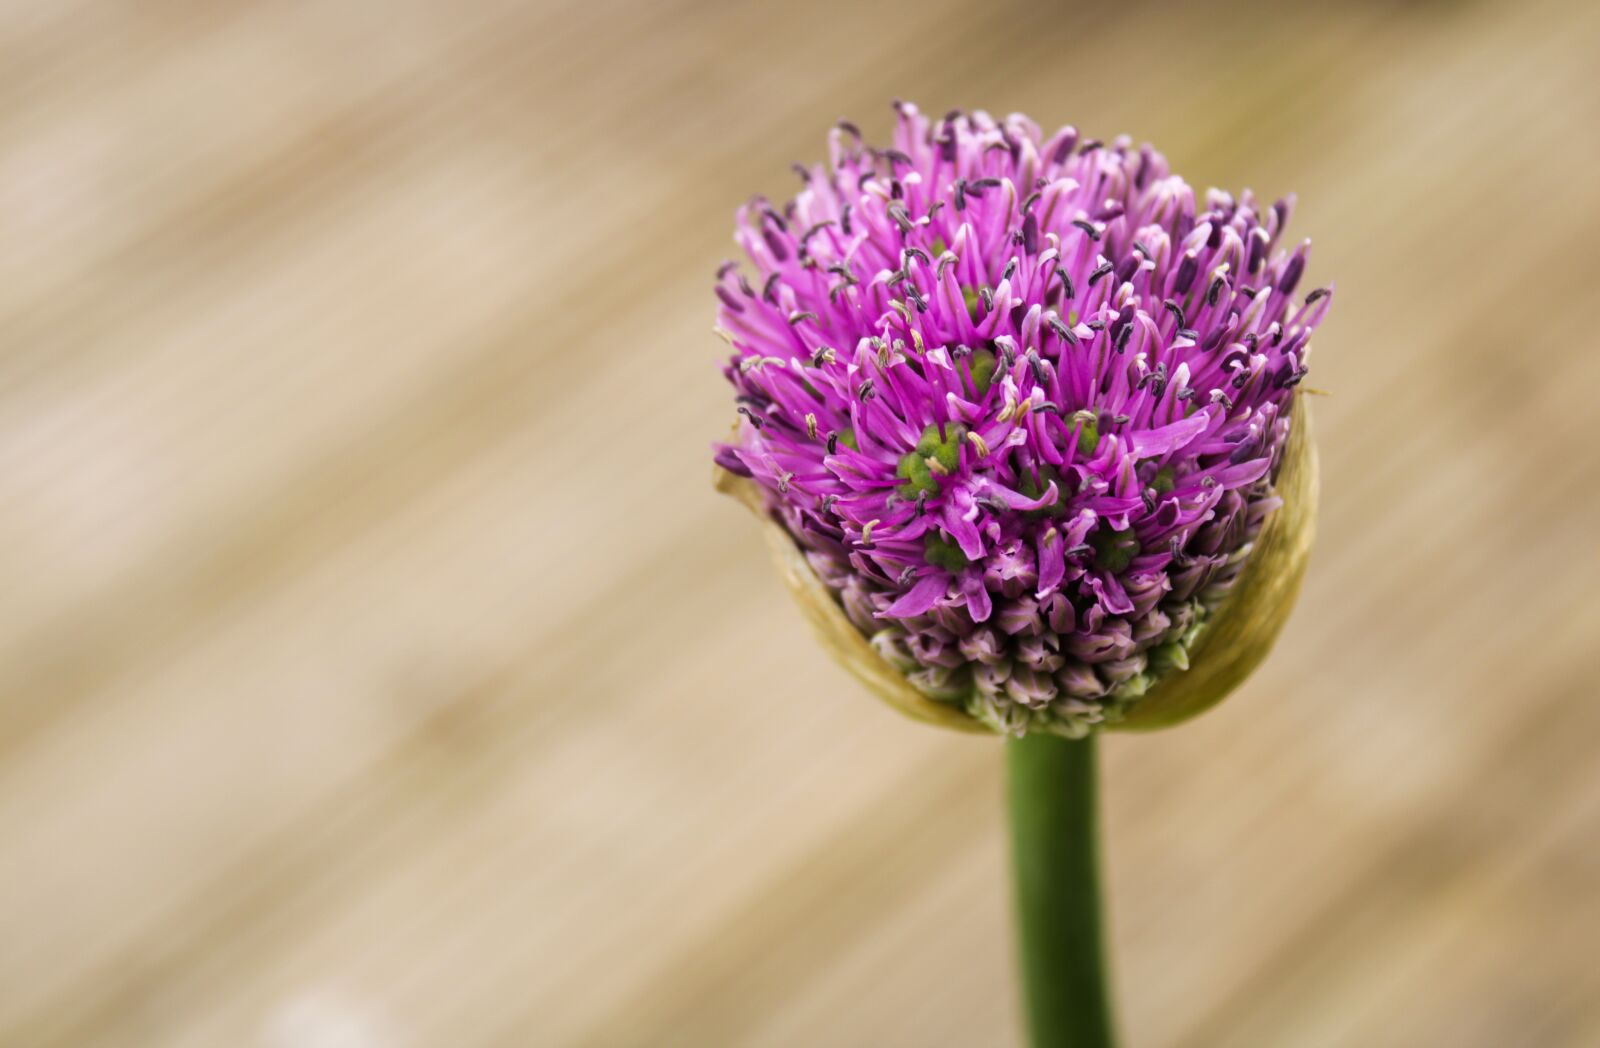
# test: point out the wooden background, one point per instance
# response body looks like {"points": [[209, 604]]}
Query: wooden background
{"points": [[378, 669]]}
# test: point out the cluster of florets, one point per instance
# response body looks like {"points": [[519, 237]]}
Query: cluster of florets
{"points": [[1019, 399]]}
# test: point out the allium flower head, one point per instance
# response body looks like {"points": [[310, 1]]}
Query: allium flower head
{"points": [[1020, 400]]}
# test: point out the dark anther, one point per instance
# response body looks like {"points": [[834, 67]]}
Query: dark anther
{"points": [[1088, 229], [751, 415], [1120, 340], [796, 318], [1030, 234], [744, 285], [1068, 292], [1061, 329], [900, 217], [987, 297], [1036, 366], [1090, 146], [822, 356], [984, 183], [1258, 251], [766, 289], [844, 220], [867, 390], [961, 194], [1080, 549], [1176, 311], [776, 219], [1320, 292], [908, 253], [1215, 291], [729, 300], [863, 178], [1010, 270], [1095, 325], [1063, 149], [1139, 247], [1149, 500], [814, 230], [894, 156], [1184, 394], [1032, 199], [801, 170], [833, 443], [774, 245], [1183, 280], [850, 129], [723, 269], [1104, 270], [1291, 274]]}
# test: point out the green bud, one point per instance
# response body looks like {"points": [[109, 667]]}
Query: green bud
{"points": [[942, 553], [970, 296], [1034, 488], [983, 365], [1089, 433], [1173, 655], [1114, 549], [946, 451]]}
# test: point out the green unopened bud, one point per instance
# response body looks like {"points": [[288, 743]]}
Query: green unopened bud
{"points": [[933, 456], [1088, 432], [942, 553], [983, 366], [969, 295], [1113, 550]]}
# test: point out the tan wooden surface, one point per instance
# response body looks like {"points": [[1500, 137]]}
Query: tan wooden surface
{"points": [[378, 668]]}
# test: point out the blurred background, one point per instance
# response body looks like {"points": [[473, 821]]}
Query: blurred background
{"points": [[377, 667]]}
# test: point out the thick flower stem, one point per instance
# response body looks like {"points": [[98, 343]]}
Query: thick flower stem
{"points": [[1051, 784]]}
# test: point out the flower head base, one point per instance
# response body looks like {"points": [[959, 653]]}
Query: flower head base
{"points": [[1021, 402]]}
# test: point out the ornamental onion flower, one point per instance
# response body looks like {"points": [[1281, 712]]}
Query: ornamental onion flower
{"points": [[1024, 408]]}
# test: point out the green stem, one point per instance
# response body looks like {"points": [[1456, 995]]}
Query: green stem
{"points": [[1056, 854]]}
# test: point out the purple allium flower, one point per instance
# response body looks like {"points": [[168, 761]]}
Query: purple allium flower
{"points": [[1020, 399]]}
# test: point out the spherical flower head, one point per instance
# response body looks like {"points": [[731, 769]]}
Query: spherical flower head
{"points": [[1020, 402]]}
